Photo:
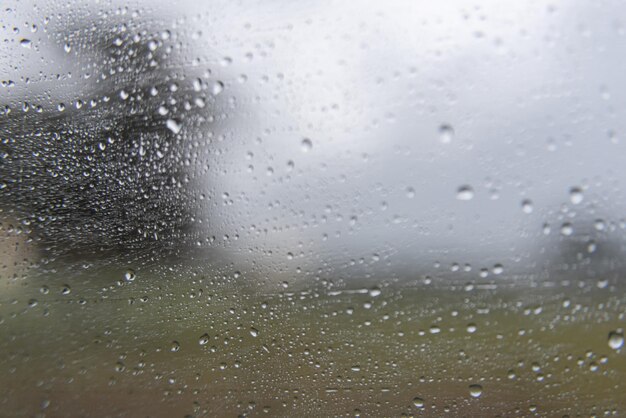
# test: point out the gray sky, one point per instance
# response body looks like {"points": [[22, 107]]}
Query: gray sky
{"points": [[352, 126]]}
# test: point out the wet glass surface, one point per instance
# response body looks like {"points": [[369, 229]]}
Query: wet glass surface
{"points": [[312, 209]]}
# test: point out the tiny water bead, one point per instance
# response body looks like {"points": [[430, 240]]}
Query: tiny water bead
{"points": [[254, 332], [527, 206], [446, 133], [173, 126], [471, 328], [475, 391], [306, 145], [465, 192], [616, 339], [599, 224], [576, 195], [567, 229], [175, 346], [434, 329]]}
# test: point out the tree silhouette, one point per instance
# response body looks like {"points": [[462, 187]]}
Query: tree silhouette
{"points": [[107, 170]]}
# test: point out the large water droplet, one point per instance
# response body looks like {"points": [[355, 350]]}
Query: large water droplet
{"points": [[616, 340], [26, 43], [204, 339], [418, 402], [375, 291], [475, 391], [217, 87], [129, 276]]}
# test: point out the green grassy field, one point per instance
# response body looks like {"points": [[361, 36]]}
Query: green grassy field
{"points": [[80, 340]]}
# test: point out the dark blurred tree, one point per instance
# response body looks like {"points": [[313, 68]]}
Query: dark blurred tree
{"points": [[107, 170]]}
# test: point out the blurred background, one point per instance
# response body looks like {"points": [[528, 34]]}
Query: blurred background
{"points": [[312, 208]]}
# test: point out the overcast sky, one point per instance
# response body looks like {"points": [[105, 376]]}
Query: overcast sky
{"points": [[398, 132]]}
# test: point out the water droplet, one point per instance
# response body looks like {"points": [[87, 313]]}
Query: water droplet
{"points": [[129, 276], [576, 195], [254, 332], [599, 224], [616, 340], [527, 206], [375, 291], [173, 126], [197, 84], [204, 339], [306, 145], [475, 391], [471, 328], [418, 402], [410, 192], [567, 229], [66, 290], [26, 43], [217, 87], [465, 193], [175, 346], [446, 133]]}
